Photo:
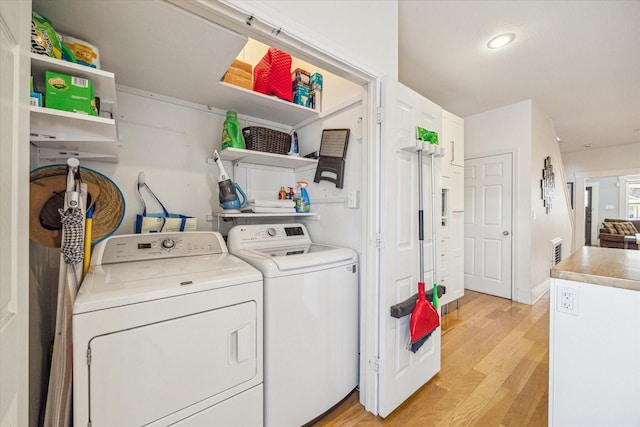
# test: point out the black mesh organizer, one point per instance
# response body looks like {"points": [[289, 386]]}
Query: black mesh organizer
{"points": [[333, 150]]}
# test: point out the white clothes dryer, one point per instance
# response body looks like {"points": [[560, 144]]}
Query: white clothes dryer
{"points": [[311, 319], [167, 330]]}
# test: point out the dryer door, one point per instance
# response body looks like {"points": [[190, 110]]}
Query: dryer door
{"points": [[142, 374]]}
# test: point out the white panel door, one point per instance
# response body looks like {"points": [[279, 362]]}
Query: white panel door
{"points": [[14, 228], [401, 371], [487, 224]]}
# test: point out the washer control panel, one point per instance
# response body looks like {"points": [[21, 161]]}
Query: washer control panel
{"points": [[261, 235], [140, 247]]}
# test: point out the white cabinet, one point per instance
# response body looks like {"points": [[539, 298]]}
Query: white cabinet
{"points": [[60, 134], [594, 342], [453, 162], [453, 206], [456, 193], [452, 139], [451, 259]]}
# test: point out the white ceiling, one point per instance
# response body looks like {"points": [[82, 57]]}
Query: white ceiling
{"points": [[579, 60]]}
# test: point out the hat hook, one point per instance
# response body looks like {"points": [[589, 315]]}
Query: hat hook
{"points": [[73, 167]]}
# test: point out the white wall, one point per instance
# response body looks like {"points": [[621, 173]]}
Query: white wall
{"points": [[525, 130], [363, 32], [556, 223], [170, 144]]}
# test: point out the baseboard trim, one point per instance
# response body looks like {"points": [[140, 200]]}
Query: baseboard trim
{"points": [[539, 291]]}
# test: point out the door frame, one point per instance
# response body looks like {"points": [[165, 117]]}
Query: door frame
{"points": [[14, 244], [592, 236], [580, 183], [514, 204]]}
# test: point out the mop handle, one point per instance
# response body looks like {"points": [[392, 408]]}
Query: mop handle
{"points": [[420, 216], [433, 216]]}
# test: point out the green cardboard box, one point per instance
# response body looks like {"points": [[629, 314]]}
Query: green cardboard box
{"points": [[69, 93]]}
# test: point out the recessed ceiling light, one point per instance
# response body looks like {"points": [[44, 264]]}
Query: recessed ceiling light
{"points": [[501, 40], [558, 139]]}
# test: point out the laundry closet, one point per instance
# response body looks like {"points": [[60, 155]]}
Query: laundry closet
{"points": [[162, 63], [163, 105]]}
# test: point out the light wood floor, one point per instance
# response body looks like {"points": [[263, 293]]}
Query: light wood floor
{"points": [[495, 365]]}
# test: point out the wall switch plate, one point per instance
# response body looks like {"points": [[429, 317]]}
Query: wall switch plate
{"points": [[568, 300], [353, 200]]}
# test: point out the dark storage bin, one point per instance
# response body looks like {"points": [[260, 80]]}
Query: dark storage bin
{"points": [[264, 139]]}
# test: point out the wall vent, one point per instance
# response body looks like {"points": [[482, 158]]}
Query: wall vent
{"points": [[556, 251]]}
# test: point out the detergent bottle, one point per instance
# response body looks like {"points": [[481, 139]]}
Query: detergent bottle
{"points": [[231, 132], [303, 204]]}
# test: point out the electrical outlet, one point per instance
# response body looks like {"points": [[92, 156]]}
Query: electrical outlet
{"points": [[568, 300]]}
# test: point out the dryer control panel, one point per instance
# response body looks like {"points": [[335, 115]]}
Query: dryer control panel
{"points": [[271, 235], [140, 247]]}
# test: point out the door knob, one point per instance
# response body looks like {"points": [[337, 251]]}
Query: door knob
{"points": [[505, 233]]}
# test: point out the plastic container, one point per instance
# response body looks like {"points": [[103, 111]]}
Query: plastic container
{"points": [[85, 53], [282, 195], [231, 132], [303, 204], [294, 151]]}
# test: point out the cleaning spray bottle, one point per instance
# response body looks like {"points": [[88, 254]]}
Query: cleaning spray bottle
{"points": [[294, 149], [231, 132], [303, 204]]}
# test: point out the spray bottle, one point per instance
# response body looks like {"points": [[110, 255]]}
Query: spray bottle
{"points": [[303, 204], [294, 149]]}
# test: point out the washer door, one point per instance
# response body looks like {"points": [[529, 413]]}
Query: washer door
{"points": [[142, 374]]}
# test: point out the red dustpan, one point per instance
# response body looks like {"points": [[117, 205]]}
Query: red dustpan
{"points": [[424, 320], [424, 317]]}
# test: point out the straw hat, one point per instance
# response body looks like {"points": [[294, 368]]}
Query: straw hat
{"points": [[46, 192]]}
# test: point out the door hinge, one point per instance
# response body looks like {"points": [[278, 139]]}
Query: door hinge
{"points": [[379, 241], [376, 365], [379, 115], [89, 356]]}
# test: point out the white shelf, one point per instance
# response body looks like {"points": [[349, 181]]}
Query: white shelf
{"points": [[102, 81], [265, 215], [271, 108], [237, 155], [48, 124], [61, 134]]}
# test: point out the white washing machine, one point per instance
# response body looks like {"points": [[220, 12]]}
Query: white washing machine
{"points": [[310, 319], [167, 330]]}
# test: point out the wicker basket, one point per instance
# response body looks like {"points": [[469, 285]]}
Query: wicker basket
{"points": [[264, 139]]}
